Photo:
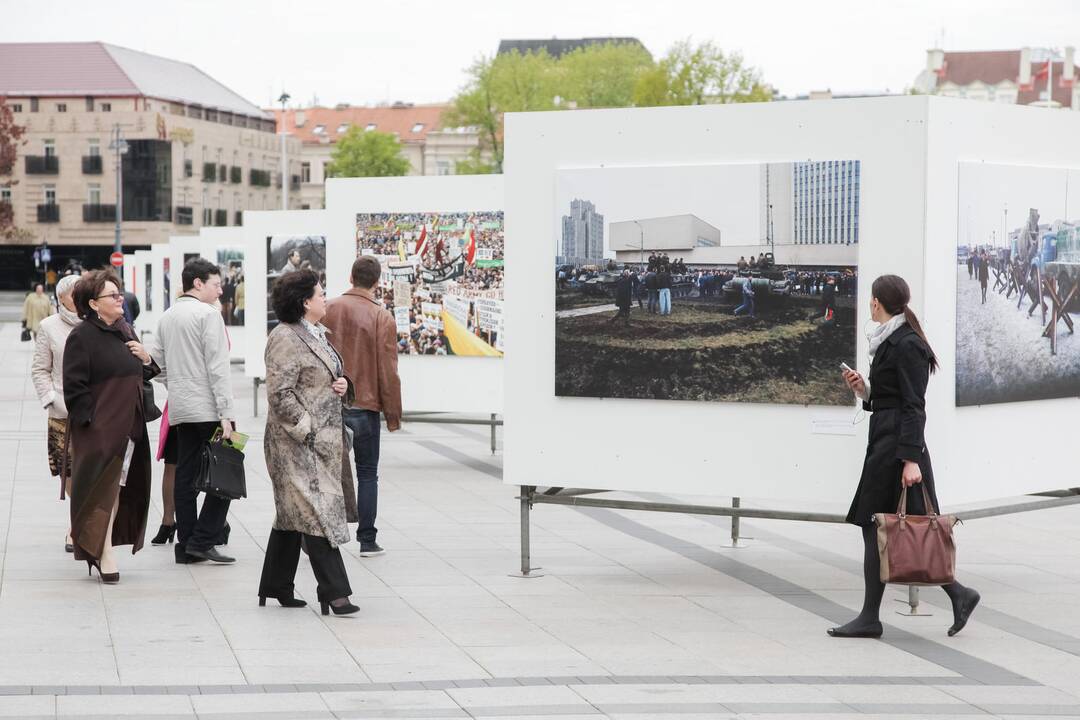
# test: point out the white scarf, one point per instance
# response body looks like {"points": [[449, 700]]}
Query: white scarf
{"points": [[882, 333], [69, 317]]}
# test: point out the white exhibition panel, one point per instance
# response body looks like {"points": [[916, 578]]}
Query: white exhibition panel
{"points": [[751, 450], [179, 247], [213, 239], [259, 225], [999, 450], [147, 320], [428, 383]]}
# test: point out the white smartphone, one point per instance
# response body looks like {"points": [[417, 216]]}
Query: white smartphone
{"points": [[844, 366]]}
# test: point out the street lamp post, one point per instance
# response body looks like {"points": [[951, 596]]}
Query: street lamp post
{"points": [[284, 159], [119, 146], [641, 257]]}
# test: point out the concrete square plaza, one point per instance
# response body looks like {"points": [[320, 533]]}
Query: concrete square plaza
{"points": [[636, 615]]}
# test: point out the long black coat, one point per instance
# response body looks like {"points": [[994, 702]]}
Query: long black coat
{"points": [[103, 389], [898, 380]]}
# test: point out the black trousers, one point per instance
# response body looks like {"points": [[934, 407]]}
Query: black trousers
{"points": [[195, 530], [283, 555]]}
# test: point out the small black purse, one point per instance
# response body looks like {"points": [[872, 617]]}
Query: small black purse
{"points": [[150, 408], [221, 472]]}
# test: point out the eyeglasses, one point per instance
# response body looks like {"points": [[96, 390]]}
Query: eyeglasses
{"points": [[114, 296]]}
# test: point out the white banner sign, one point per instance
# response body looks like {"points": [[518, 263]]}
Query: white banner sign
{"points": [[488, 313], [458, 308], [401, 319]]}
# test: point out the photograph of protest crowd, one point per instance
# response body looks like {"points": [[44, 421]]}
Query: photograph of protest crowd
{"points": [[442, 278], [1017, 284], [231, 262], [709, 283], [286, 254]]}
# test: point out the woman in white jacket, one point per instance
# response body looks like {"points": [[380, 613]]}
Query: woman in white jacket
{"points": [[47, 372]]}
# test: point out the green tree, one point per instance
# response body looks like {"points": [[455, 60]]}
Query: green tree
{"points": [[11, 137], [602, 76], [367, 153], [697, 75]]}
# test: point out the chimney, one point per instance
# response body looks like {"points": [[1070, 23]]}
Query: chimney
{"points": [[935, 60], [1068, 76], [1025, 67]]}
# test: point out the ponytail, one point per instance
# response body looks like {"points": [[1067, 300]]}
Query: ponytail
{"points": [[893, 293], [913, 321]]}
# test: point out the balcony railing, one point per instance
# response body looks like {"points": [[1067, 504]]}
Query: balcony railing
{"points": [[91, 164], [98, 213], [48, 213], [42, 165]]}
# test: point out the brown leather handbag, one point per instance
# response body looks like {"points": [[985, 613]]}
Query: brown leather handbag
{"points": [[916, 549]]}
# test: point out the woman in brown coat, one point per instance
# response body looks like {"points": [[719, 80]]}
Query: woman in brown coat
{"points": [[306, 448], [104, 370]]}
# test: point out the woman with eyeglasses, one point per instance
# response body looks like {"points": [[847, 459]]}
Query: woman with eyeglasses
{"points": [[104, 369]]}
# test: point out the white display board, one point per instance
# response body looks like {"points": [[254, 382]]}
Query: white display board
{"points": [[758, 451], [1009, 448], [143, 289], [428, 383], [258, 226], [181, 248]]}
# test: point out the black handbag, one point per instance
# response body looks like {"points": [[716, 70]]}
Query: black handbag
{"points": [[25, 337], [221, 472], [150, 408]]}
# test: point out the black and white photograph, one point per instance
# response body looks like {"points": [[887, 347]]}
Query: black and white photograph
{"points": [[286, 254], [1017, 284], [712, 282]]}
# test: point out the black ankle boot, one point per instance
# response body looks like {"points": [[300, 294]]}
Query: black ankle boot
{"points": [[346, 609], [962, 613], [284, 600], [165, 534]]}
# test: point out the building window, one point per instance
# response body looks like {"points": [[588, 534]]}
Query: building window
{"points": [[50, 148], [342, 128], [94, 148], [93, 194], [16, 107], [319, 130], [106, 107], [5, 195], [61, 107], [305, 172], [50, 194], [369, 127], [33, 104], [89, 104], [442, 167], [417, 127]]}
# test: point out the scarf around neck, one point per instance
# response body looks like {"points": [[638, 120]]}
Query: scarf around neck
{"points": [[69, 317], [882, 333]]}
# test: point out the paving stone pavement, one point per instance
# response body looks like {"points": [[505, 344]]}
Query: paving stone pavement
{"points": [[637, 615]]}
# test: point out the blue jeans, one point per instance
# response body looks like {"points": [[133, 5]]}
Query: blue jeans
{"points": [[747, 305], [365, 427], [665, 301], [654, 300]]}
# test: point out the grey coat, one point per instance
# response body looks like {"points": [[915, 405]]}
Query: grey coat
{"points": [[306, 448]]}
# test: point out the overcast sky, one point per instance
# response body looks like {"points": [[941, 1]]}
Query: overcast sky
{"points": [[367, 52]]}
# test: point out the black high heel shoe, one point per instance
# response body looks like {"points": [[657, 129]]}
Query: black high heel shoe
{"points": [[346, 609], [284, 600], [165, 534], [967, 606], [106, 578]]}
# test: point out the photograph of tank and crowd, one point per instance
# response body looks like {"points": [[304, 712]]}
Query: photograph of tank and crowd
{"points": [[1017, 284], [286, 254], [442, 278], [713, 283]]}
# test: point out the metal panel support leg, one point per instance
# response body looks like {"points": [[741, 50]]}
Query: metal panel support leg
{"points": [[913, 604], [492, 433], [736, 525], [527, 571], [255, 397]]}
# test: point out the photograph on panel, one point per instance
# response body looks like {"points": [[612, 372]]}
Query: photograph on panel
{"points": [[289, 253], [1017, 284], [231, 262], [442, 278], [707, 282], [166, 281]]}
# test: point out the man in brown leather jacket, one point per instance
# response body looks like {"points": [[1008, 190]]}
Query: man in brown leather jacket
{"points": [[365, 335]]}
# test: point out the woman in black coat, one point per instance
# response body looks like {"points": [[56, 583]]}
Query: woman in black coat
{"points": [[896, 454]]}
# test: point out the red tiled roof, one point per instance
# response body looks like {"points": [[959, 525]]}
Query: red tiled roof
{"points": [[992, 67], [400, 120]]}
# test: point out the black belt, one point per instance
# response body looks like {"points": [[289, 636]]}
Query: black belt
{"points": [[884, 404]]}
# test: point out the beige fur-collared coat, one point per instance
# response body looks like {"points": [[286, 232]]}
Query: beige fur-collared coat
{"points": [[306, 447]]}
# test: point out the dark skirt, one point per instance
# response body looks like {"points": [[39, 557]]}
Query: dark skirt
{"points": [[879, 487]]}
